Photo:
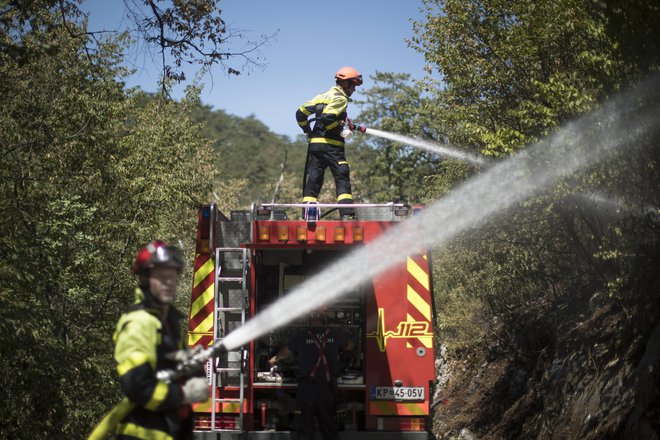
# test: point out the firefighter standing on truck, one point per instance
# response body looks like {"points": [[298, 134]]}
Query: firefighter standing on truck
{"points": [[318, 354], [327, 138], [148, 338]]}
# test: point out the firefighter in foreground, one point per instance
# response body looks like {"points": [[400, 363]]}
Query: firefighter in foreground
{"points": [[317, 348], [148, 338], [327, 138]]}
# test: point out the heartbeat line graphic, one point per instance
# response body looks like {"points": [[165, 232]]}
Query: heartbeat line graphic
{"points": [[404, 330]]}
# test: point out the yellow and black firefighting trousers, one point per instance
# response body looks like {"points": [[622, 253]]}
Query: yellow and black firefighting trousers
{"points": [[320, 157], [142, 341], [326, 146]]}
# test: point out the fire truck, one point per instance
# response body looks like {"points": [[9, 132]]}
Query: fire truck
{"points": [[248, 260]]}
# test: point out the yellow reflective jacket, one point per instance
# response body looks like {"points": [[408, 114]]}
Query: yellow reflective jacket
{"points": [[329, 110], [142, 339]]}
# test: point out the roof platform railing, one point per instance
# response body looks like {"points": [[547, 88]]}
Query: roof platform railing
{"points": [[365, 211]]}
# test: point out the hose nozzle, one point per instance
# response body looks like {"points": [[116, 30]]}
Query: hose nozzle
{"points": [[353, 127], [192, 364]]}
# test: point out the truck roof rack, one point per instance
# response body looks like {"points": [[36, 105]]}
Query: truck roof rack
{"points": [[365, 211]]}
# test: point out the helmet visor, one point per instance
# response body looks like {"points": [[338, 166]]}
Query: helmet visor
{"points": [[167, 256]]}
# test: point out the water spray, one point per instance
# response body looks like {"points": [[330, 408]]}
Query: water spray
{"points": [[607, 203], [616, 206], [432, 147], [429, 146], [593, 138], [611, 204]]}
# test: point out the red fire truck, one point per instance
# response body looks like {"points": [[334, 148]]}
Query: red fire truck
{"points": [[247, 261]]}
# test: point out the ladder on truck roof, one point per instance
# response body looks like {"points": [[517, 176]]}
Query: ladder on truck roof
{"points": [[231, 303]]}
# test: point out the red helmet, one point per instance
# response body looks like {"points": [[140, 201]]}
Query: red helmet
{"points": [[157, 253], [349, 74]]}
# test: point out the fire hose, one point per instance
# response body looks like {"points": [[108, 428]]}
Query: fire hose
{"points": [[187, 368]]}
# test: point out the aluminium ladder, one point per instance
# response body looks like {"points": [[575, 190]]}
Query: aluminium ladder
{"points": [[223, 311]]}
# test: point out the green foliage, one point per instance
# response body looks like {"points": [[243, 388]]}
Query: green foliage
{"points": [[88, 174], [244, 148], [513, 72], [388, 171], [90, 171]]}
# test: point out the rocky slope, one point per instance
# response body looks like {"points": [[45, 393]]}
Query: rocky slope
{"points": [[582, 372]]}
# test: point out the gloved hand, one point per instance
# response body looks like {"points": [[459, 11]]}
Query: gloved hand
{"points": [[195, 390], [346, 133]]}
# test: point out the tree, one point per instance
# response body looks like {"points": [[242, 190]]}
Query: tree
{"points": [[192, 32], [244, 149], [88, 173], [389, 171], [514, 71], [183, 33]]}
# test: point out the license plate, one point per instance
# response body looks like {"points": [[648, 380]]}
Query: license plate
{"points": [[397, 393]]}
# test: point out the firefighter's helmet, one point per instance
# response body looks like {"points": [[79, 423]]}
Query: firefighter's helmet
{"points": [[349, 74], [157, 253]]}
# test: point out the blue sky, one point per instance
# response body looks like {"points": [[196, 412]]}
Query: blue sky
{"points": [[313, 42]]}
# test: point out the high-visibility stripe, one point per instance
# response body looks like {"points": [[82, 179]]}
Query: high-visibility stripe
{"points": [[326, 141], [309, 199], [135, 359], [418, 273], [203, 272], [160, 393], [417, 292], [202, 300], [416, 300], [223, 407], [202, 406], [305, 112], [233, 407], [341, 197], [397, 408], [204, 328], [200, 323], [203, 314], [426, 340], [141, 432], [413, 424]]}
